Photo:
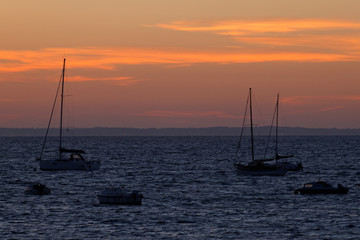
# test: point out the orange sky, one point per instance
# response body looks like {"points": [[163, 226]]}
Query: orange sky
{"points": [[182, 63]]}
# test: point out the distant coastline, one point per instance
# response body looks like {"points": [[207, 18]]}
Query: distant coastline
{"points": [[209, 131]]}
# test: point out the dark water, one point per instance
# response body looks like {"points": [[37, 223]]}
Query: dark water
{"points": [[190, 187]]}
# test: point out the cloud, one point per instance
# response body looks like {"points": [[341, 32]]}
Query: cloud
{"points": [[303, 35], [259, 40], [164, 113], [333, 108], [109, 58], [317, 103], [122, 81], [249, 27], [297, 100], [304, 100], [354, 98]]}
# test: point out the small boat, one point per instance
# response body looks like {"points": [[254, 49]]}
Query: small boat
{"points": [[67, 159], [321, 187], [37, 189], [120, 196], [257, 167]]}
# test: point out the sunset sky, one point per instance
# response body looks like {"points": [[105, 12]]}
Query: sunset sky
{"points": [[185, 63]]}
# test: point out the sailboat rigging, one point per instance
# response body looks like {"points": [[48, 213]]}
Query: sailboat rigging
{"points": [[257, 167], [289, 166], [74, 160]]}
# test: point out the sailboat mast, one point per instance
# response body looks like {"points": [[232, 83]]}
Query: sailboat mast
{"points": [[251, 128], [62, 104], [277, 126]]}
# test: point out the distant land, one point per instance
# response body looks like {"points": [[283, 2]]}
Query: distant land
{"points": [[209, 131]]}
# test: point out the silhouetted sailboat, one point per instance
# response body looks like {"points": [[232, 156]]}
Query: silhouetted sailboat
{"points": [[289, 166], [257, 167], [68, 159]]}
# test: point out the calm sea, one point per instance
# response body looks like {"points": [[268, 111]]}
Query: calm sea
{"points": [[190, 190]]}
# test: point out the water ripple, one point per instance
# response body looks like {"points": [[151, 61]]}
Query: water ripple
{"points": [[190, 191]]}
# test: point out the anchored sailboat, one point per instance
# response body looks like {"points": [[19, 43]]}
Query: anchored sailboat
{"points": [[289, 166], [257, 167], [68, 159]]}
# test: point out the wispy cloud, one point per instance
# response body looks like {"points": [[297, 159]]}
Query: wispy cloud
{"points": [[317, 103], [165, 113], [302, 35], [333, 108], [303, 100], [249, 27], [260, 40], [109, 59], [354, 98], [123, 81]]}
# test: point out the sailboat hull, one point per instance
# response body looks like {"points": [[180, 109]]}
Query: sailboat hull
{"points": [[245, 170], [55, 165]]}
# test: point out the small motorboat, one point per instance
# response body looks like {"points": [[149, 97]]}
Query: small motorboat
{"points": [[37, 189], [120, 196], [321, 187]]}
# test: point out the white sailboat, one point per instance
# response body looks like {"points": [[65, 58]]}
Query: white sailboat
{"points": [[257, 167], [68, 159]]}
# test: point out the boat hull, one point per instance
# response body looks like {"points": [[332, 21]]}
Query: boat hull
{"points": [[322, 191], [321, 187], [245, 170], [56, 165]]}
